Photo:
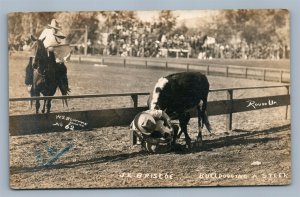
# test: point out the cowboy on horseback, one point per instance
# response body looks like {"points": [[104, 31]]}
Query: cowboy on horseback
{"points": [[53, 40], [53, 37], [46, 71]]}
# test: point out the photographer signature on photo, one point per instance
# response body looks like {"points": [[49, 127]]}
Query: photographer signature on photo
{"points": [[69, 123]]}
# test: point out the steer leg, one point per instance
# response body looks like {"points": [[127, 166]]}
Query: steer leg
{"points": [[183, 121]]}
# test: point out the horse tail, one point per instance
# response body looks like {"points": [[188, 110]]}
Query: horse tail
{"points": [[29, 72], [65, 101], [64, 92]]}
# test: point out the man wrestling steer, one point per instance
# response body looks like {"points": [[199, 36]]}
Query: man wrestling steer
{"points": [[180, 93], [154, 129]]}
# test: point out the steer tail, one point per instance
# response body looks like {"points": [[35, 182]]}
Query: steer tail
{"points": [[204, 114]]}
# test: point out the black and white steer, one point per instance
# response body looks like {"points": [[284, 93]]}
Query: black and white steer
{"points": [[180, 93]]}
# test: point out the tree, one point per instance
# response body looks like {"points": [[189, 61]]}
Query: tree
{"points": [[181, 30], [74, 23], [22, 25], [167, 21], [262, 26], [112, 18], [15, 27]]}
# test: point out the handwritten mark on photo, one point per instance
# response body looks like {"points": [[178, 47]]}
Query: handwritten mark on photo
{"points": [[54, 154]]}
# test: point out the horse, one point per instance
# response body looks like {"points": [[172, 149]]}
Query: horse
{"points": [[179, 94], [45, 75]]}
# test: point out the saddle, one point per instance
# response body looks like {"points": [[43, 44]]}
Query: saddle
{"points": [[38, 78]]}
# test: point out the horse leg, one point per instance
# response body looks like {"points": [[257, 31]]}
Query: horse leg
{"points": [[183, 121], [48, 106], [66, 100], [31, 94], [34, 93], [44, 105], [37, 104]]}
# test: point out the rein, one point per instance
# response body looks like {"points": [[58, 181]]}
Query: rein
{"points": [[39, 73], [58, 42]]}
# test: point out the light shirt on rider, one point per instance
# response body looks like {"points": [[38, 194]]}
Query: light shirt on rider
{"points": [[50, 38]]}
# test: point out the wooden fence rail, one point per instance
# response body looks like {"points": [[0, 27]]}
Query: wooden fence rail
{"points": [[282, 75], [85, 96], [81, 120]]}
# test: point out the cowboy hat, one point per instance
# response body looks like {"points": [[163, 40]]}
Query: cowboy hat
{"points": [[145, 123], [54, 24]]}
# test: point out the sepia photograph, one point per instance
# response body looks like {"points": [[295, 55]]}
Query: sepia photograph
{"points": [[149, 99]]}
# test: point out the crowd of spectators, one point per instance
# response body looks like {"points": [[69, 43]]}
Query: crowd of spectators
{"points": [[147, 40]]}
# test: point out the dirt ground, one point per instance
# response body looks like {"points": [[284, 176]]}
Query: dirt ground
{"points": [[256, 152], [88, 78]]}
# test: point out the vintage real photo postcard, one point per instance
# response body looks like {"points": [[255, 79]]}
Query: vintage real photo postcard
{"points": [[167, 98]]}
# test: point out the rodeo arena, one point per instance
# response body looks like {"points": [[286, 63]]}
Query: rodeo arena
{"points": [[140, 107]]}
